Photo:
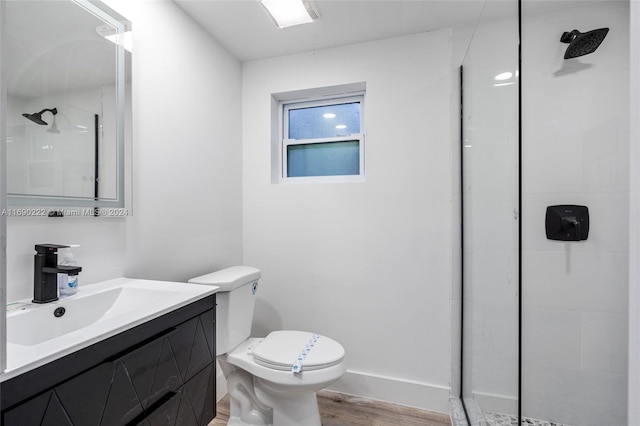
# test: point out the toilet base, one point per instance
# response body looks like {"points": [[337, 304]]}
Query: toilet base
{"points": [[244, 406], [289, 408], [254, 402]]}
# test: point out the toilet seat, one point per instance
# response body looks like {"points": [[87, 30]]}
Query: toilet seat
{"points": [[281, 349]]}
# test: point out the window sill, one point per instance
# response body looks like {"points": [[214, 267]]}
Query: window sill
{"points": [[322, 179]]}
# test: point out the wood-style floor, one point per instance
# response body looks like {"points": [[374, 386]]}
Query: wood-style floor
{"points": [[337, 409]]}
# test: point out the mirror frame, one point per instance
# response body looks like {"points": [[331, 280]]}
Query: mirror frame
{"points": [[39, 205]]}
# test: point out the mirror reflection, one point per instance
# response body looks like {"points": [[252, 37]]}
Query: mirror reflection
{"points": [[65, 90]]}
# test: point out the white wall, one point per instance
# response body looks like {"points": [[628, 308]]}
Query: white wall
{"points": [[575, 151], [368, 264], [187, 147], [186, 165]]}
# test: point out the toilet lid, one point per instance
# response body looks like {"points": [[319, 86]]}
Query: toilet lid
{"points": [[281, 349]]}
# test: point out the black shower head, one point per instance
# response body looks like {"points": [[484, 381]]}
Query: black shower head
{"points": [[583, 43], [36, 117]]}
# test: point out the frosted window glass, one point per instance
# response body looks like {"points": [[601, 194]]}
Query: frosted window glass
{"points": [[325, 121], [324, 159]]}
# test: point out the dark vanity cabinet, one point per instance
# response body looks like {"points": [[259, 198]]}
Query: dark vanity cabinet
{"points": [[158, 373]]}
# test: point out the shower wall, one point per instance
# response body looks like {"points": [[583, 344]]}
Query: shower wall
{"points": [[574, 151]]}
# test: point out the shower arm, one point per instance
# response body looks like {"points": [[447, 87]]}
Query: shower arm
{"points": [[53, 111]]}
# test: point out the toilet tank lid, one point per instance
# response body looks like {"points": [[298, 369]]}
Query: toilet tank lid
{"points": [[229, 278]]}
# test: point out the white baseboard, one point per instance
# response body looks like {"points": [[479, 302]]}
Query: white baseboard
{"points": [[391, 389]]}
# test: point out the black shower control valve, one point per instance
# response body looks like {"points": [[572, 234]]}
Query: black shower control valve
{"points": [[567, 223]]}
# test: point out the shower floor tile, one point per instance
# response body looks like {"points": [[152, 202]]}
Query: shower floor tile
{"points": [[497, 419]]}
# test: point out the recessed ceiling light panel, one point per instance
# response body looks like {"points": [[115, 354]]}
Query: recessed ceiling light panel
{"points": [[287, 13]]}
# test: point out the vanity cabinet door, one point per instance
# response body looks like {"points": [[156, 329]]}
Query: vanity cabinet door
{"points": [[83, 397], [191, 405], [151, 371], [190, 345], [44, 409], [159, 371], [79, 401], [201, 391]]}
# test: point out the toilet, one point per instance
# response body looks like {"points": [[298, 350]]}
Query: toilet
{"points": [[271, 380]]}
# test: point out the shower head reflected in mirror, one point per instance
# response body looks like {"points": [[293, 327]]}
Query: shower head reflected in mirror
{"points": [[581, 44], [36, 117]]}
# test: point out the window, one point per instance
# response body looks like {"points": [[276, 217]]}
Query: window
{"points": [[323, 140]]}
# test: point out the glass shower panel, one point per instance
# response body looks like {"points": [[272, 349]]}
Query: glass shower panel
{"points": [[574, 151], [490, 198]]}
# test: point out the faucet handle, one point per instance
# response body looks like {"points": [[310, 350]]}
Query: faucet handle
{"points": [[49, 248], [68, 269]]}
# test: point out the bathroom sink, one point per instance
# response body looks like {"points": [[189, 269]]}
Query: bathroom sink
{"points": [[34, 326], [39, 333]]}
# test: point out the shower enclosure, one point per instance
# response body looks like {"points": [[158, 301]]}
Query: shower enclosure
{"points": [[544, 322]]}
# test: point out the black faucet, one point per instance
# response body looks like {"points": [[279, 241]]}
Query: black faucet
{"points": [[45, 274]]}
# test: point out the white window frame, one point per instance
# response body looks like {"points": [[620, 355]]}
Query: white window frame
{"points": [[286, 142]]}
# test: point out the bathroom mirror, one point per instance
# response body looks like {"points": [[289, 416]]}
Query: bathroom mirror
{"points": [[68, 103]]}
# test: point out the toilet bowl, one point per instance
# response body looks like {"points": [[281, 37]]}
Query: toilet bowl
{"points": [[271, 380]]}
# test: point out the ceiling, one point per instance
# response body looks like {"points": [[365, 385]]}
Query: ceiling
{"points": [[245, 29]]}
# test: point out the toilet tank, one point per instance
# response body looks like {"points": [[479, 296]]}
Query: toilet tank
{"points": [[234, 304]]}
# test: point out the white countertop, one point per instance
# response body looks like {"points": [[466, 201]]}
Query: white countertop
{"points": [[98, 311]]}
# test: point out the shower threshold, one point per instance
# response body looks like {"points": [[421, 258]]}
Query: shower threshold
{"points": [[498, 419], [477, 417]]}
